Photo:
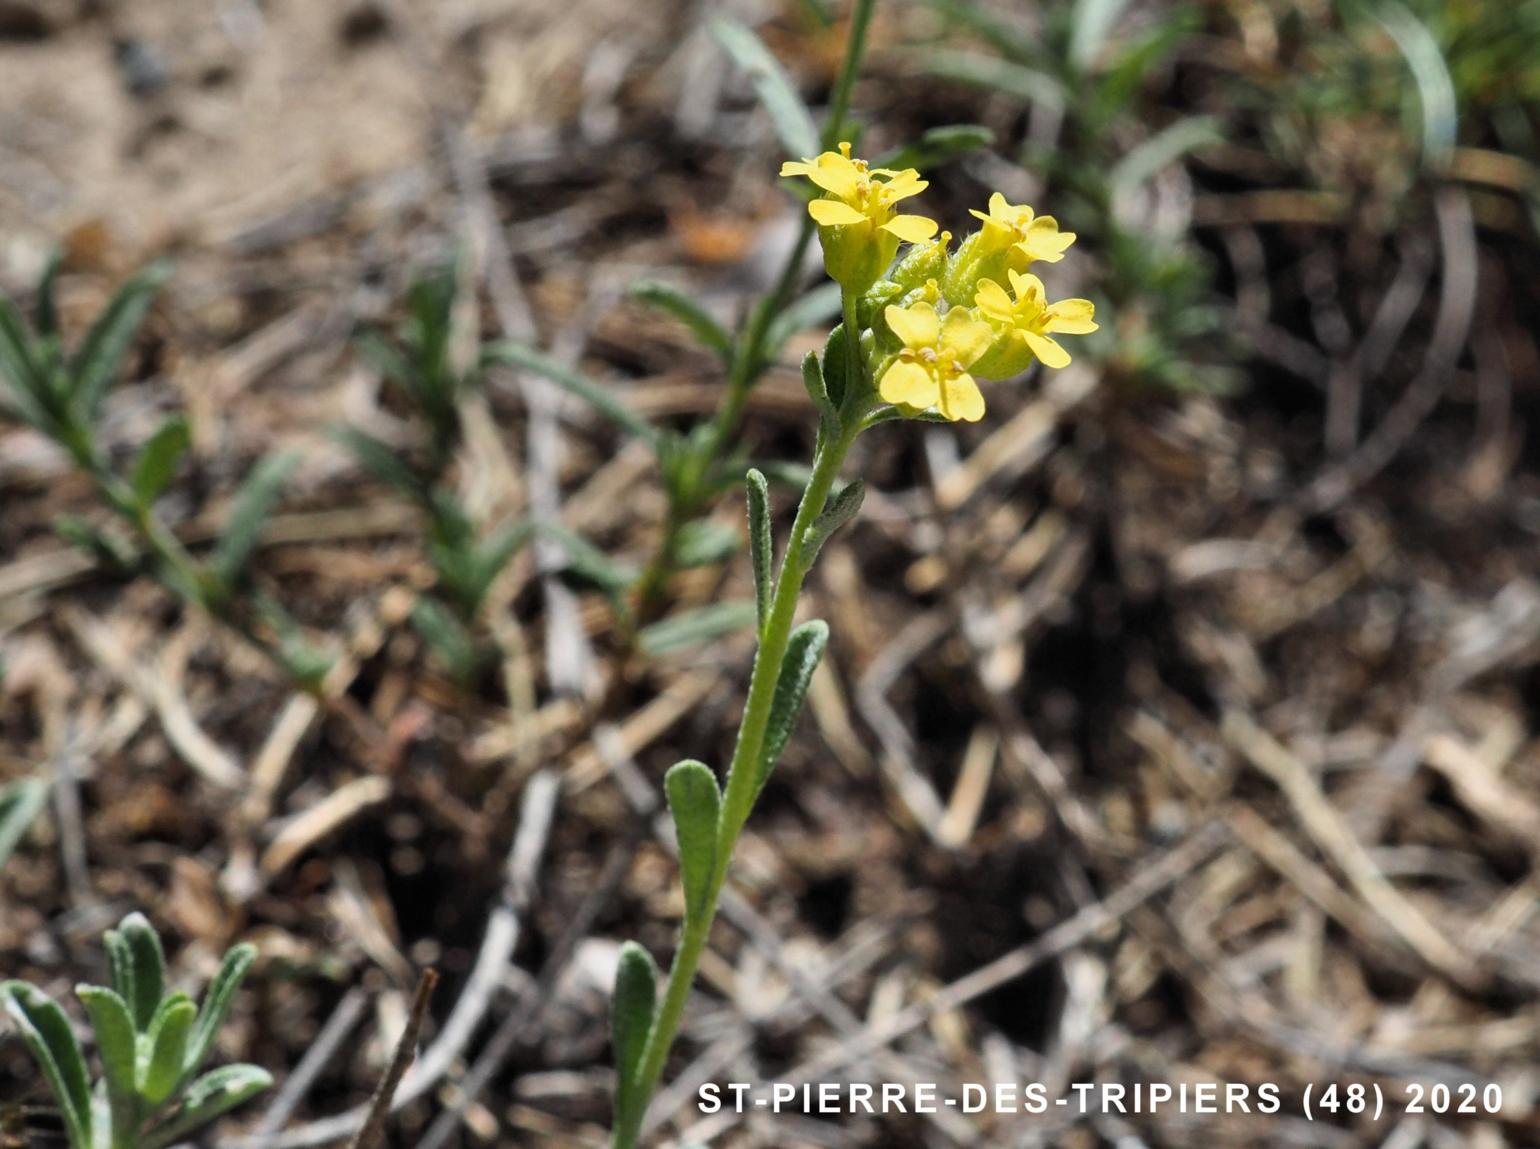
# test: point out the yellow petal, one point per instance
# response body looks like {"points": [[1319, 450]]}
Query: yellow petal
{"points": [[905, 184], [993, 302], [916, 326], [961, 399], [837, 175], [911, 228], [965, 338], [908, 385], [1046, 349], [976, 214], [1072, 316], [1000, 208], [834, 213], [796, 168], [1027, 288]]}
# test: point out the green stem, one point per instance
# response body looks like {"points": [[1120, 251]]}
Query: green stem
{"points": [[738, 800]]}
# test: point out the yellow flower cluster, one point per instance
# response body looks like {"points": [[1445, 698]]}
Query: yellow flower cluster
{"points": [[947, 318]]}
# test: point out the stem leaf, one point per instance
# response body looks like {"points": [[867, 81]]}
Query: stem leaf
{"points": [[115, 1042], [793, 122], [812, 379], [165, 1049], [20, 804], [47, 1034], [761, 543], [216, 1092], [804, 649], [146, 969], [701, 323], [99, 358], [631, 1015], [253, 504], [937, 146], [693, 627], [157, 462], [216, 1005], [695, 801], [514, 354], [844, 507]]}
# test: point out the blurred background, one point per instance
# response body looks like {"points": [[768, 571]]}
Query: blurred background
{"points": [[1180, 719]]}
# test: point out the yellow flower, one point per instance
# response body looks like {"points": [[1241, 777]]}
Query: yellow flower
{"points": [[1023, 325], [858, 224], [1030, 237], [932, 368]]}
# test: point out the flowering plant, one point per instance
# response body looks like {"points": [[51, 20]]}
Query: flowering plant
{"points": [[916, 339]]}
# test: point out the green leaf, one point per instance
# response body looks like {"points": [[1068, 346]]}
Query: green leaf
{"points": [[19, 367], [793, 122], [701, 323], [812, 380], [120, 959], [254, 502], [210, 1096], [1162, 149], [47, 307], [696, 803], [761, 542], [1028, 84], [492, 555], [99, 358], [164, 1049], [216, 1005], [803, 650], [704, 543], [587, 561], [449, 638], [836, 366], [693, 627], [812, 309], [116, 1044], [844, 507], [20, 803], [631, 1015], [46, 1031], [381, 460], [937, 146], [1092, 23], [600, 398], [158, 459], [146, 964]]}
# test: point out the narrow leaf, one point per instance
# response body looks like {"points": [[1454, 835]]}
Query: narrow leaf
{"points": [[382, 461], [702, 324], [253, 503], [116, 1044], [120, 959], [600, 398], [48, 296], [937, 146], [793, 123], [1164, 148], [213, 1094], [761, 542], [844, 507], [20, 369], [47, 1034], [696, 803], [812, 379], [587, 561], [836, 366], [813, 309], [693, 627], [703, 543], [449, 638], [20, 804], [99, 359], [165, 1049], [803, 651], [148, 963], [158, 459], [631, 1016], [216, 1005]]}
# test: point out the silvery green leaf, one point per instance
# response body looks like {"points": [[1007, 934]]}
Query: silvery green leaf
{"points": [[216, 1005], [693, 627], [99, 358], [20, 803], [147, 963], [696, 803], [48, 1037], [705, 543], [157, 462], [841, 509], [213, 1094], [701, 323], [116, 1043], [803, 651], [254, 502], [596, 395], [631, 1015], [761, 544], [938, 145], [812, 380], [793, 123], [163, 1052]]}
